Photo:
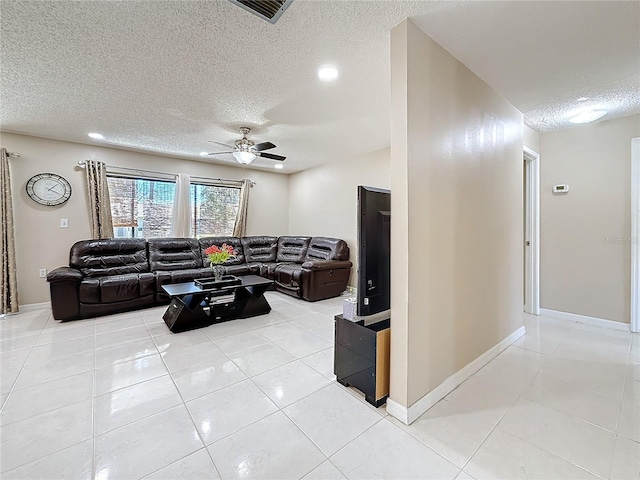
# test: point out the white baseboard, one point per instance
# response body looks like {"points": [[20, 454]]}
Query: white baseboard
{"points": [[409, 415], [574, 317], [34, 306], [398, 411]]}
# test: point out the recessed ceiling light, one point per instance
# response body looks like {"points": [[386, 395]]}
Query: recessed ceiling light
{"points": [[588, 116], [278, 166], [96, 136], [327, 73], [204, 154]]}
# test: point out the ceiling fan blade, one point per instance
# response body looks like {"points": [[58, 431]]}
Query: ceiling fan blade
{"points": [[259, 147], [223, 144], [219, 153], [271, 156]]}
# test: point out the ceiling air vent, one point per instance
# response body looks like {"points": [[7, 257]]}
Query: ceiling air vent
{"points": [[269, 10]]}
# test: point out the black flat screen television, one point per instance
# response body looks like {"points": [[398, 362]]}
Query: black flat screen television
{"points": [[374, 250]]}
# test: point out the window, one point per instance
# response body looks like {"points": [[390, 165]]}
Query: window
{"points": [[214, 210], [141, 208]]}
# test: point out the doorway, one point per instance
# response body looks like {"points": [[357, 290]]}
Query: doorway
{"points": [[531, 231], [635, 234]]}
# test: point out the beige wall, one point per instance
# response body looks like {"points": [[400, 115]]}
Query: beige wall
{"points": [[456, 162], [585, 252], [531, 139], [41, 243], [323, 200]]}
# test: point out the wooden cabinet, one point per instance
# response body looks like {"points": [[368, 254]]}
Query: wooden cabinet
{"points": [[361, 357]]}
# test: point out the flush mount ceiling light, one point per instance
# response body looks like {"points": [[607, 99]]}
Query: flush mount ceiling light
{"points": [[96, 136], [245, 158], [278, 166], [327, 73], [588, 116]]}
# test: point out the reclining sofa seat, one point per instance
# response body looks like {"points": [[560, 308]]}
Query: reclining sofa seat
{"points": [[260, 251], [104, 276], [235, 265], [175, 260], [325, 270]]}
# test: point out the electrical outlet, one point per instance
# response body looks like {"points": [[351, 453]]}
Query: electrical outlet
{"points": [[42, 272], [64, 223]]}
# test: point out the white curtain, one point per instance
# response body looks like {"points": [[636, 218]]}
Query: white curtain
{"points": [[99, 203], [240, 227], [8, 274], [181, 217]]}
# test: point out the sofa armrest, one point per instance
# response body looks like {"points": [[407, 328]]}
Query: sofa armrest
{"points": [[326, 264], [64, 286], [64, 274]]}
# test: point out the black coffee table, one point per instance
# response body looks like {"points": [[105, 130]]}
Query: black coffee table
{"points": [[194, 307]]}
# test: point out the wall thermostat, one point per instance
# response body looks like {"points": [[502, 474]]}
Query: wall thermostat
{"points": [[560, 188]]}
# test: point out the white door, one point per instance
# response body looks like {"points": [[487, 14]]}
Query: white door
{"points": [[635, 234], [531, 232]]}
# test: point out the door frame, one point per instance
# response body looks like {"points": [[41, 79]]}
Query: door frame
{"points": [[532, 232], [635, 234]]}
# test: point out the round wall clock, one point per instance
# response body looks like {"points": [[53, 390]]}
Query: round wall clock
{"points": [[48, 189]]}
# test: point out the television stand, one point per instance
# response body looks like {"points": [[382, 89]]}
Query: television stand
{"points": [[361, 357]]}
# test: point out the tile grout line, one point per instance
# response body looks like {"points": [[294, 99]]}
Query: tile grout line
{"points": [[537, 446], [24, 364], [94, 379]]}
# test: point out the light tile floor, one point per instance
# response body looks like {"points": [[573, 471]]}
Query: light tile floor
{"points": [[122, 397]]}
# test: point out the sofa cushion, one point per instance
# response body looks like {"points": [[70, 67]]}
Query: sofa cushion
{"points": [[292, 249], [116, 288], [113, 256], [235, 242], [288, 274], [260, 249], [180, 276], [168, 254], [228, 270], [268, 270], [325, 248], [237, 269]]}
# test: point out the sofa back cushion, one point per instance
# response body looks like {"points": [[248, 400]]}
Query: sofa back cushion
{"points": [[325, 248], [235, 242], [109, 256], [292, 249], [260, 249], [166, 254]]}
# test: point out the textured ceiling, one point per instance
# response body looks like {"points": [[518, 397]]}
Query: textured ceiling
{"points": [[167, 76]]}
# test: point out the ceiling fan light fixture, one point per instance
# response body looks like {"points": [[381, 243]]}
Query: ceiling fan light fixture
{"points": [[244, 158], [588, 116]]}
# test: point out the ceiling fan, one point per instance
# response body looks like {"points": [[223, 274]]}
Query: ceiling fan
{"points": [[245, 151]]}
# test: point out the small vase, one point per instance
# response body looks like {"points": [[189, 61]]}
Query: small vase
{"points": [[218, 271]]}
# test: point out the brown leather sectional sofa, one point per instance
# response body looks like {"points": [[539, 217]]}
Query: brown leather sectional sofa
{"points": [[115, 275]]}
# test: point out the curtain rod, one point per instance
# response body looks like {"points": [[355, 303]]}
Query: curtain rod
{"points": [[143, 171]]}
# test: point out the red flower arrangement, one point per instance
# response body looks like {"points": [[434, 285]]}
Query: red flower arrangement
{"points": [[218, 255]]}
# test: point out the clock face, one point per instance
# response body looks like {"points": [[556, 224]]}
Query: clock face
{"points": [[48, 189]]}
